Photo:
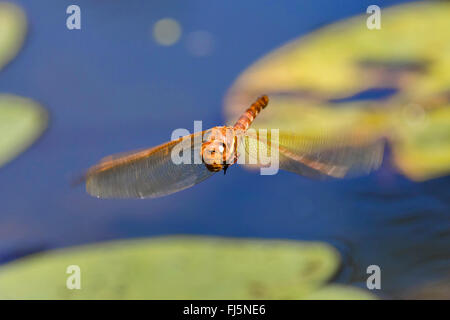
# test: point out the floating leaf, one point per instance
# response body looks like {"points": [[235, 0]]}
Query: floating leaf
{"points": [[21, 122], [339, 292], [13, 27], [346, 79], [180, 268]]}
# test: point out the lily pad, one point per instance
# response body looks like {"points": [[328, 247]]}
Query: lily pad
{"points": [[180, 268], [13, 27], [21, 122], [339, 292]]}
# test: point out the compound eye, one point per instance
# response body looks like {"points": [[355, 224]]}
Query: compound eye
{"points": [[222, 147]]}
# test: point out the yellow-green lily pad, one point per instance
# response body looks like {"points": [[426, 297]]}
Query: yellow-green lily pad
{"points": [[21, 122], [339, 292], [180, 268], [13, 27]]}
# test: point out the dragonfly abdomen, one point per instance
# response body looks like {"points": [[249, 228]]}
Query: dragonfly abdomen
{"points": [[250, 114]]}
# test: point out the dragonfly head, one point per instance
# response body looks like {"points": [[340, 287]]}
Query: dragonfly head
{"points": [[219, 148]]}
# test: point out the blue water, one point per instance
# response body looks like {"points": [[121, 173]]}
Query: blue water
{"points": [[110, 88]]}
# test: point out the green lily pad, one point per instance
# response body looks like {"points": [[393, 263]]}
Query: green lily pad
{"points": [[21, 122], [339, 292], [13, 27], [180, 268]]}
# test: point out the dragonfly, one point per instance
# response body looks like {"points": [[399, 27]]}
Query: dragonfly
{"points": [[152, 173]]}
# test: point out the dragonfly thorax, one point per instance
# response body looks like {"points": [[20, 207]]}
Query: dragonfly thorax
{"points": [[219, 148]]}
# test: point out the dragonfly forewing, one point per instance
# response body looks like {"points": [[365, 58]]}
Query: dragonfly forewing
{"points": [[148, 173], [316, 157]]}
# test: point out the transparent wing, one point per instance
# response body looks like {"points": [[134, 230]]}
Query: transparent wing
{"points": [[149, 173], [315, 157]]}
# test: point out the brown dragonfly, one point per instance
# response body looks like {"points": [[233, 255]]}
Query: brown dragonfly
{"points": [[157, 171]]}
